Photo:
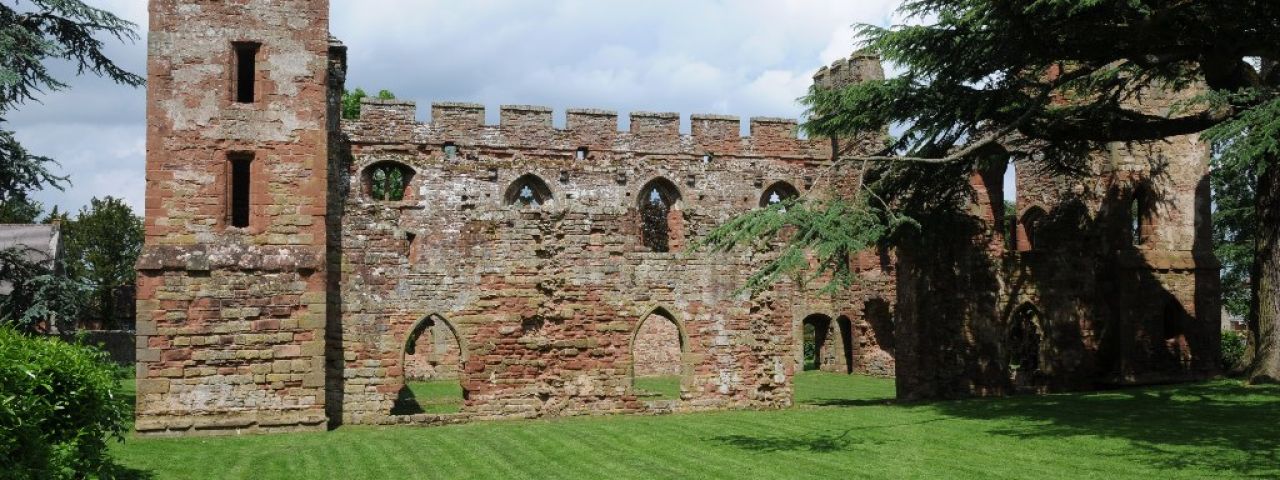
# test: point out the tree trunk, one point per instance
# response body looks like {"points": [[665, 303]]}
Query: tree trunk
{"points": [[1264, 324]]}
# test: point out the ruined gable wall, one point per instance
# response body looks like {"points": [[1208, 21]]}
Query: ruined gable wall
{"points": [[547, 300], [230, 320]]}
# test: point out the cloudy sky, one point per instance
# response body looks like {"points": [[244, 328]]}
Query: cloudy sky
{"points": [[736, 57]]}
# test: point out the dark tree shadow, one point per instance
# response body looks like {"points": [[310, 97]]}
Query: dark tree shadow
{"points": [[406, 403], [1232, 428]]}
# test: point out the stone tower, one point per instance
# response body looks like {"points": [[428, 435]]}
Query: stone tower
{"points": [[232, 280]]}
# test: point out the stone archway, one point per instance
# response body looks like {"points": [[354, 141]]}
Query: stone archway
{"points": [[658, 351], [431, 360]]}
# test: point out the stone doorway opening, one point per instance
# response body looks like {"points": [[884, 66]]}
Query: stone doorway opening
{"points": [[816, 351], [432, 369], [658, 352], [1023, 351]]}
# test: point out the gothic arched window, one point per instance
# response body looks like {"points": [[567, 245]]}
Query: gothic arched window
{"points": [[528, 191], [659, 203], [778, 193]]}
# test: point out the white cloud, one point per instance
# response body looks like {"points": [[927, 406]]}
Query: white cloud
{"points": [[737, 57]]}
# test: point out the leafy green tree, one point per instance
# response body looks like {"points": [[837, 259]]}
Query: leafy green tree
{"points": [[1235, 233], [351, 101], [1057, 75], [20, 210], [31, 38], [101, 247]]}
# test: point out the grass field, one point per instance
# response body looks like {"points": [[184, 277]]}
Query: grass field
{"points": [[659, 388], [843, 427]]}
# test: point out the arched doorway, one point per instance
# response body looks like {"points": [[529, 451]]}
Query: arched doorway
{"points": [[432, 362], [658, 348], [1023, 348], [815, 350]]}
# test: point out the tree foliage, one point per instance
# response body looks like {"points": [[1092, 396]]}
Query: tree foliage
{"points": [[351, 101], [20, 210], [33, 35], [101, 246], [1058, 78]]}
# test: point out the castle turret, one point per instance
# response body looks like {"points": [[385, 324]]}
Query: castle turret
{"points": [[231, 297]]}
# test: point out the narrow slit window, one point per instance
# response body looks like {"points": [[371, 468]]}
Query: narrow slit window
{"points": [[240, 185], [246, 71]]}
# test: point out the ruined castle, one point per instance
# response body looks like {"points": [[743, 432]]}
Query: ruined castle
{"points": [[300, 268]]}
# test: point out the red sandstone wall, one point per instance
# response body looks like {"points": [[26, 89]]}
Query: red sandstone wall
{"points": [[547, 300], [656, 348], [231, 321]]}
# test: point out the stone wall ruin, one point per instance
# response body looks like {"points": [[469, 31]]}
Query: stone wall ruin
{"points": [[299, 269]]}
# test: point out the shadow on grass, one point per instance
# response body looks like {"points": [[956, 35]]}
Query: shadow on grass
{"points": [[848, 402], [816, 442], [121, 472], [1222, 425], [406, 403]]}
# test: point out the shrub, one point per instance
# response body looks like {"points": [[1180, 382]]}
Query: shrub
{"points": [[57, 408], [1233, 348]]}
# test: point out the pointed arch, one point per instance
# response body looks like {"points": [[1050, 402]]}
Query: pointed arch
{"points": [[431, 320], [529, 190], [1029, 226], [661, 228], [1024, 344], [681, 352], [406, 401], [814, 341], [778, 192]]}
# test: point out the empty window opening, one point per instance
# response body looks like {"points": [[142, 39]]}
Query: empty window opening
{"points": [[241, 184], [780, 194], [1140, 215], [581, 154], [707, 158], [433, 359], [1022, 351], [388, 181], [656, 352], [450, 151], [410, 246], [660, 216], [246, 70], [816, 351], [528, 191], [879, 318], [1173, 320]]}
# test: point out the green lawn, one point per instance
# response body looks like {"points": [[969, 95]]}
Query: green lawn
{"points": [[659, 388], [435, 396], [844, 427]]}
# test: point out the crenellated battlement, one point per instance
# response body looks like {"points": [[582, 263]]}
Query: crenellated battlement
{"points": [[394, 121]]}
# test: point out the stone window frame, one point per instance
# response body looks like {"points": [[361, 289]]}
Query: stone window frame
{"points": [[1141, 212], [235, 83], [786, 189], [671, 194], [366, 180], [1030, 226], [542, 193]]}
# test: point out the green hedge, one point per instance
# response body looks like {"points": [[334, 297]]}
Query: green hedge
{"points": [[58, 409]]}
